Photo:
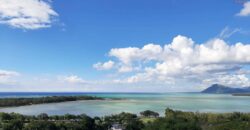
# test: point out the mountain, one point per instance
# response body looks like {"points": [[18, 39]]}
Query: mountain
{"points": [[220, 89], [247, 88]]}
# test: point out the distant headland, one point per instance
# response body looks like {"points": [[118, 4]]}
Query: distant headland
{"points": [[222, 89], [9, 102]]}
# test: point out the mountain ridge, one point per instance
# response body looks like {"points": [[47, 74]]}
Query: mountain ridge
{"points": [[221, 89]]}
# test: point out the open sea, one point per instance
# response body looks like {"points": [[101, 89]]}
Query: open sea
{"points": [[134, 103]]}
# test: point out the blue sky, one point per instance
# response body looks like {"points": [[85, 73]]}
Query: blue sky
{"points": [[74, 36]]}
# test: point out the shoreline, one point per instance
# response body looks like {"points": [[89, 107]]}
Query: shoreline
{"points": [[18, 102], [241, 94], [146, 120], [105, 99]]}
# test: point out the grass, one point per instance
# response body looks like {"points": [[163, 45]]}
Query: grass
{"points": [[145, 120]]}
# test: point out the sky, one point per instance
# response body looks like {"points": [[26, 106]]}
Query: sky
{"points": [[123, 46]]}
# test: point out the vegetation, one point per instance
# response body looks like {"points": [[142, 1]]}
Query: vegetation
{"points": [[14, 121], [8, 102], [149, 113], [173, 120], [241, 94]]}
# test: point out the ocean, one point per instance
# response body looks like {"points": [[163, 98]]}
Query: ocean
{"points": [[134, 103]]}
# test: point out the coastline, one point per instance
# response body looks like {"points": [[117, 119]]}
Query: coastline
{"points": [[241, 94], [147, 120], [134, 103], [18, 102]]}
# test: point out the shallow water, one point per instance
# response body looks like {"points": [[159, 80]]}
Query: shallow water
{"points": [[134, 103]]}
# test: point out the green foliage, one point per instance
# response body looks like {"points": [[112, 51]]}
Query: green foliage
{"points": [[127, 120], [149, 113], [5, 116], [7, 102], [41, 125], [43, 116], [178, 120], [232, 125], [13, 125], [173, 120], [172, 124]]}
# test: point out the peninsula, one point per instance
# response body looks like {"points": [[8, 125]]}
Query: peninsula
{"points": [[222, 89], [9, 102]]}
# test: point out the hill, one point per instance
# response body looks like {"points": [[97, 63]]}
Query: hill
{"points": [[220, 89]]}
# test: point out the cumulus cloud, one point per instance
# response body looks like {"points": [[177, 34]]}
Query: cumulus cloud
{"points": [[125, 69], [182, 58], [73, 79], [104, 66], [246, 10], [26, 14], [130, 54], [237, 80]]}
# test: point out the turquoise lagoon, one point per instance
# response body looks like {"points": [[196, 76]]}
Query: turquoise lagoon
{"points": [[134, 103]]}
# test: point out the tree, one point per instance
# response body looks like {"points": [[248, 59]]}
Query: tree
{"points": [[43, 116], [41, 125], [5, 116], [69, 116], [149, 113], [13, 125], [87, 123]]}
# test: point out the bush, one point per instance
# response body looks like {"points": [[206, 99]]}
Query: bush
{"points": [[149, 113]]}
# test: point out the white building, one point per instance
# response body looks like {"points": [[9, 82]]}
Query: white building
{"points": [[116, 127]]}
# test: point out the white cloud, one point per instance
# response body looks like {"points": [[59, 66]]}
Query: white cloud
{"points": [[228, 32], [26, 14], [182, 58], [73, 79], [240, 80], [182, 52], [6, 76], [126, 55], [246, 9], [104, 66], [7, 73], [125, 69], [130, 54]]}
